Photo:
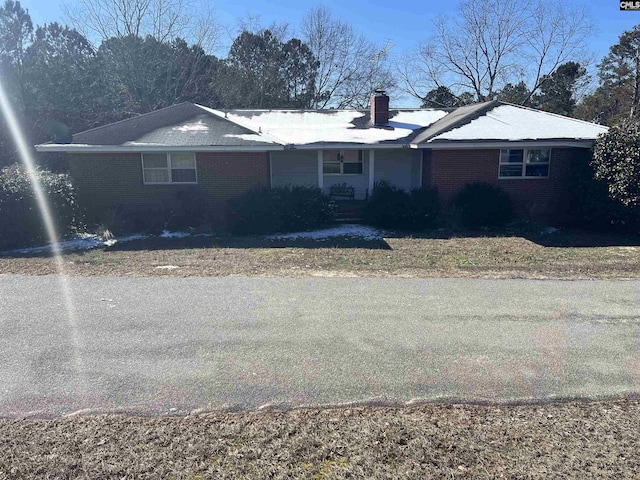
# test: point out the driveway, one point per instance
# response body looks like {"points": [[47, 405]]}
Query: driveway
{"points": [[173, 345]]}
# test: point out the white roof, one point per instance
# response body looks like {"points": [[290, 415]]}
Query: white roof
{"points": [[296, 127], [515, 123]]}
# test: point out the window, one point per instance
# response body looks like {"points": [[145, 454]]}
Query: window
{"points": [[522, 162], [169, 168], [342, 162]]}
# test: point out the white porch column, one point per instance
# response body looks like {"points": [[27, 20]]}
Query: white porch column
{"points": [[371, 169], [320, 176]]}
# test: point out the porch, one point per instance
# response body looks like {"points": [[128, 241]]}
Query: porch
{"points": [[358, 169]]}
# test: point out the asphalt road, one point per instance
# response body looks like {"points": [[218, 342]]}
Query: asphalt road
{"points": [[174, 345]]}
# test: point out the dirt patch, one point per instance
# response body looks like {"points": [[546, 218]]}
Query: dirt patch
{"points": [[566, 440], [559, 256]]}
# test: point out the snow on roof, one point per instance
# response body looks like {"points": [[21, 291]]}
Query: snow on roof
{"points": [[203, 129], [181, 125], [187, 125], [297, 127], [512, 123]]}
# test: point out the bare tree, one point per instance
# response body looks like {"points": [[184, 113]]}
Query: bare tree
{"points": [[495, 42], [164, 20], [252, 22], [351, 66]]}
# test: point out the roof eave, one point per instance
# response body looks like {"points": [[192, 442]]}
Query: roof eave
{"points": [[333, 146], [71, 148], [453, 144]]}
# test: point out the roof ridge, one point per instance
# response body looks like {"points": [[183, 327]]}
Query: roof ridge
{"points": [[481, 109], [223, 115], [131, 118]]}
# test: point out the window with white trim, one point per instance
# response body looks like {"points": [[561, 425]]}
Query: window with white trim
{"points": [[160, 168], [342, 162], [523, 162]]}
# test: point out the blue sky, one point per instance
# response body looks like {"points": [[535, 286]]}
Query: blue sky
{"points": [[404, 23]]}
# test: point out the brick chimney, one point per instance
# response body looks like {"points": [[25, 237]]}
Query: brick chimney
{"points": [[380, 108]]}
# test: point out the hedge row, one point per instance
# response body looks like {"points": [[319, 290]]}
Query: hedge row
{"points": [[287, 209], [259, 211]]}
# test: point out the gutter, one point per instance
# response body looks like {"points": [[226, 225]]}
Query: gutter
{"points": [[505, 144], [71, 148], [346, 146]]}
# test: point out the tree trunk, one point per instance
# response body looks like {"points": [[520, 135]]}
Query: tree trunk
{"points": [[636, 87]]}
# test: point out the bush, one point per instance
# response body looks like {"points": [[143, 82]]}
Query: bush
{"points": [[392, 207], [181, 210], [136, 218], [281, 209], [616, 160], [483, 205], [20, 219], [191, 208], [590, 205], [614, 187]]}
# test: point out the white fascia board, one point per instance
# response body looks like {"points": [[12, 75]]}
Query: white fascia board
{"points": [[347, 146], [506, 144], [71, 148]]}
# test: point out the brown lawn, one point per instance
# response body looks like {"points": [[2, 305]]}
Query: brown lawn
{"points": [[564, 440], [563, 255]]}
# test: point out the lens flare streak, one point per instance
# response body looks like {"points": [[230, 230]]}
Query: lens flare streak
{"points": [[27, 159]]}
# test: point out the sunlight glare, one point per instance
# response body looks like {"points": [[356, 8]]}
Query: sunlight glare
{"points": [[27, 160]]}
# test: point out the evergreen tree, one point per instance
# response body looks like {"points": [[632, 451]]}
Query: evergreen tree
{"points": [[618, 95], [264, 72]]}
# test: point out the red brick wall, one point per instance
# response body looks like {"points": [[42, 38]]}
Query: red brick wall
{"points": [[544, 199], [426, 167], [229, 174], [103, 181]]}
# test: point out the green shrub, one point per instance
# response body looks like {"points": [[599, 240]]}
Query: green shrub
{"points": [[614, 188], [590, 205], [21, 223], [616, 160], [281, 209], [190, 209], [181, 210], [483, 205], [136, 218], [392, 207]]}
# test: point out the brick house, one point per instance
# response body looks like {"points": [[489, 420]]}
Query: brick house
{"points": [[146, 159]]}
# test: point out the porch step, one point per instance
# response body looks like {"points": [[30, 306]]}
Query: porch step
{"points": [[349, 212], [348, 220]]}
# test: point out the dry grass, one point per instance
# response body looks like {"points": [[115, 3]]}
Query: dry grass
{"points": [[566, 440], [566, 255]]}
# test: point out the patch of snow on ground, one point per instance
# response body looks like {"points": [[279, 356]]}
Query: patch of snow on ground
{"points": [[351, 231], [112, 241], [83, 241], [168, 234], [167, 267]]}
